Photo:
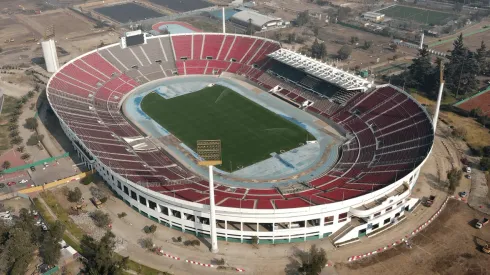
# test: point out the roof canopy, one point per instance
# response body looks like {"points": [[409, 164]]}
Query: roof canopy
{"points": [[321, 70]]}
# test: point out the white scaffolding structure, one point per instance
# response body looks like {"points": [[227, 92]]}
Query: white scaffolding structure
{"points": [[321, 70]]}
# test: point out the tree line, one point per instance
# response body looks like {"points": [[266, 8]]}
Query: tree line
{"points": [[461, 70]]}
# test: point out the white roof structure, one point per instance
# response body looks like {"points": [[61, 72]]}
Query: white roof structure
{"points": [[321, 70], [258, 19]]}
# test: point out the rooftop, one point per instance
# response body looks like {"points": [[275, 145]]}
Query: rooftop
{"points": [[257, 18], [321, 70]]}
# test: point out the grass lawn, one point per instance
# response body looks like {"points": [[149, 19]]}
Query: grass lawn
{"points": [[249, 133], [416, 14]]}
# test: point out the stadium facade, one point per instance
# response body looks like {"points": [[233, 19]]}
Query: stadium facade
{"points": [[387, 138]]}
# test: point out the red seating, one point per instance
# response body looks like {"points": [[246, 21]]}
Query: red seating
{"points": [[388, 132], [182, 46]]}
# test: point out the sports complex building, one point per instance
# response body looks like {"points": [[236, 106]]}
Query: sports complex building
{"points": [[312, 151]]}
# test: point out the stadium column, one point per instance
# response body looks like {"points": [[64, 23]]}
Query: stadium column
{"points": [[439, 97], [212, 215], [223, 15]]}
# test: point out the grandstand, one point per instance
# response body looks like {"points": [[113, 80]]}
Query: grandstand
{"points": [[388, 136]]}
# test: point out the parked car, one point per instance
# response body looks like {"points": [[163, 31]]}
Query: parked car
{"points": [[467, 169], [33, 168], [481, 223], [463, 194], [23, 181], [430, 201], [10, 183]]}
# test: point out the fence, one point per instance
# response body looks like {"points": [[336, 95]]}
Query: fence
{"points": [[36, 163]]}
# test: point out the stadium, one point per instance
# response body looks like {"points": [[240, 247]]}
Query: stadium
{"points": [[309, 151]]}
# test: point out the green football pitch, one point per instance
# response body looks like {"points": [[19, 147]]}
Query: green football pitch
{"points": [[248, 132], [415, 14]]}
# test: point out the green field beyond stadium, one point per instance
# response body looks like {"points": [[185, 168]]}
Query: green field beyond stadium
{"points": [[249, 132], [423, 16]]}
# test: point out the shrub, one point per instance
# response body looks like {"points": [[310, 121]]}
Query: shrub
{"points": [[150, 229], [146, 243], [459, 132], [192, 243], [100, 218], [220, 261], [103, 200], [485, 164], [74, 195], [122, 215], [25, 156]]}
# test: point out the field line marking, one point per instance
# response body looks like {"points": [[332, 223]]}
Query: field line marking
{"points": [[220, 96]]}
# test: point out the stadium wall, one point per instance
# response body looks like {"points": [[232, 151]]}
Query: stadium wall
{"points": [[300, 222]]}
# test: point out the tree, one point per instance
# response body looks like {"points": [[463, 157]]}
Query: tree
{"points": [[25, 156], [457, 7], [316, 30], [100, 255], [485, 163], [20, 149], [303, 18], [31, 123], [56, 231], [354, 40], [17, 250], [421, 74], [34, 139], [16, 140], [476, 112], [6, 165], [486, 151], [454, 176], [394, 47], [367, 44], [318, 50], [291, 37], [459, 132], [461, 70], [14, 133], [100, 218], [74, 195], [344, 52], [146, 243], [30, 94], [314, 261], [481, 58], [50, 250]]}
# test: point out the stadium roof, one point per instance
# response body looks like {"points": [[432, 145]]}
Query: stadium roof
{"points": [[321, 70], [258, 19]]}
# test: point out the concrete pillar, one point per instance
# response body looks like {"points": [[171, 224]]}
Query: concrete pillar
{"points": [[212, 214]]}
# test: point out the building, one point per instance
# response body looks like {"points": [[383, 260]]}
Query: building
{"points": [[373, 16], [387, 137], [259, 21]]}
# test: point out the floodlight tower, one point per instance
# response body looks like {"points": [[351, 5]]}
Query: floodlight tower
{"points": [[439, 96], [210, 152]]}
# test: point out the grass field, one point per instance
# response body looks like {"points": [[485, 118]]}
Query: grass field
{"points": [[249, 133], [419, 15]]}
